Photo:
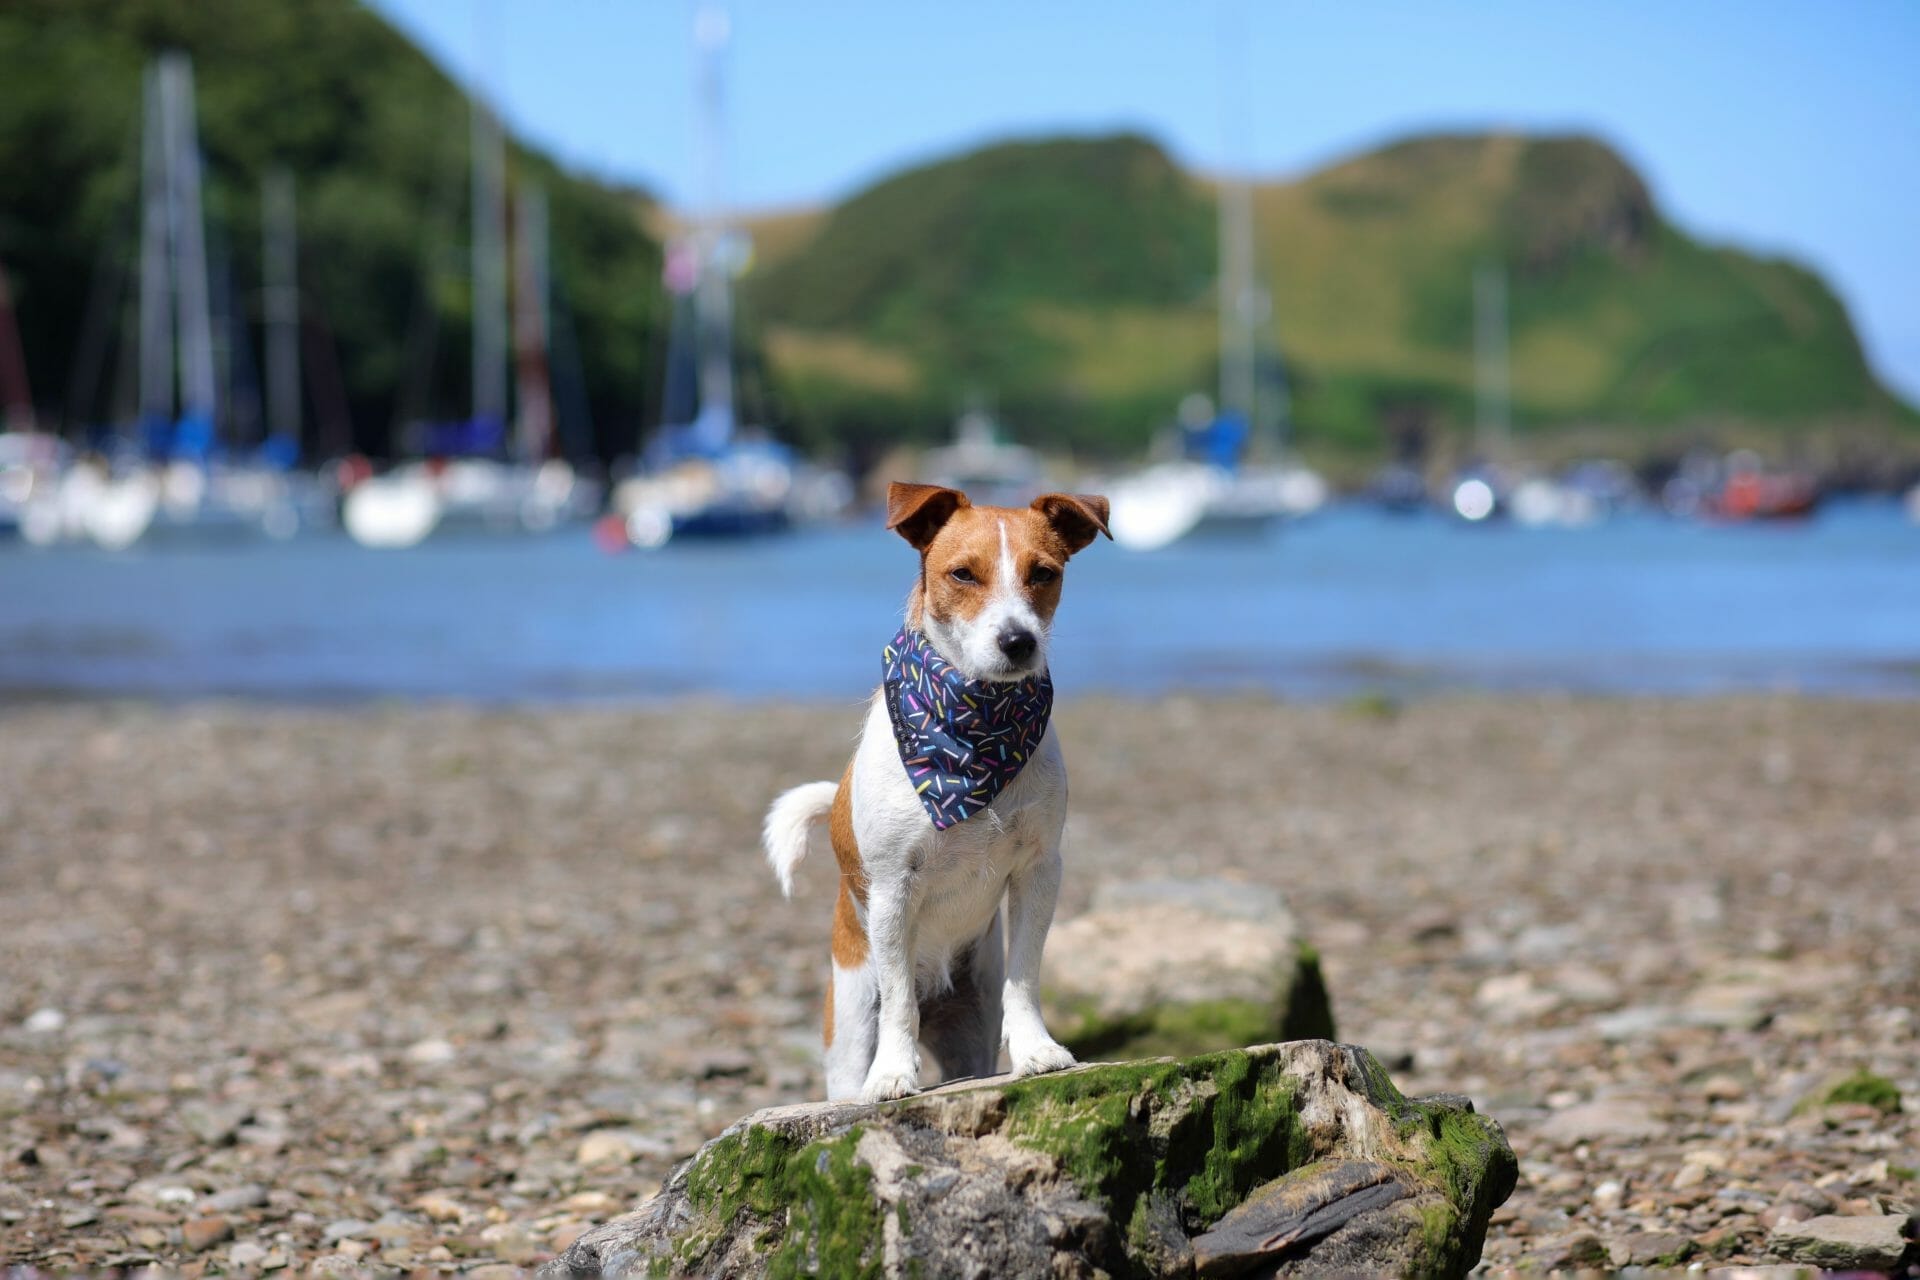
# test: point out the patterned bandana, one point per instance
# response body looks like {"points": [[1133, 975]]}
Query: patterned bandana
{"points": [[962, 741]]}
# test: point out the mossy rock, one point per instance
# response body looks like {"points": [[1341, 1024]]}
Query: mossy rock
{"points": [[1131, 1169], [1182, 967], [1176, 1028], [1866, 1089]]}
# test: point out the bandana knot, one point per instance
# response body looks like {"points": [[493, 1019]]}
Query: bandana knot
{"points": [[962, 740]]}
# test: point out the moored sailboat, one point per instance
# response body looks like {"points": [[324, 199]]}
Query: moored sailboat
{"points": [[469, 477], [705, 474]]}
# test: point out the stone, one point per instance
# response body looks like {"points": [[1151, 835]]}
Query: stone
{"points": [[1146, 1168], [115, 1133], [249, 1196], [43, 1022], [135, 1215], [1834, 1243], [1807, 1195], [203, 1233], [212, 1125], [431, 1052], [1603, 1118], [511, 1242], [394, 1231], [617, 1146], [438, 1206], [1513, 997], [246, 1254], [1775, 1216], [1177, 967], [1724, 1088], [589, 1202], [1571, 1251], [161, 1193], [1650, 1249], [718, 1064]]}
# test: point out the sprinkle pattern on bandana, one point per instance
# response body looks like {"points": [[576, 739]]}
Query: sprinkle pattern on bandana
{"points": [[962, 741]]}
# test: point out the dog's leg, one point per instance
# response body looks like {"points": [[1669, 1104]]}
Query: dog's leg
{"points": [[989, 974], [1031, 893], [962, 1026], [852, 1018], [895, 1072]]}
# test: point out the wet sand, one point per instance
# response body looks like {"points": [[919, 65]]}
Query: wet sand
{"points": [[434, 987]]}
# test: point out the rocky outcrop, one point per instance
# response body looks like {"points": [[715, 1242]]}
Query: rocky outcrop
{"points": [[1179, 967], [1577, 195], [1296, 1158], [1875, 1242]]}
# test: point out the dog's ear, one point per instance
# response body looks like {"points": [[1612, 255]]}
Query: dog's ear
{"points": [[918, 511], [1076, 517]]}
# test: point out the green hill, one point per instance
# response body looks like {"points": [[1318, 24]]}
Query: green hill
{"points": [[1068, 282], [377, 138], [1071, 282]]}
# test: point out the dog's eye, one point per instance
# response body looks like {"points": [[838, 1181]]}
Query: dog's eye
{"points": [[962, 574], [1041, 575]]}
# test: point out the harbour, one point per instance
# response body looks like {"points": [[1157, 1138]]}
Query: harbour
{"points": [[1348, 603]]}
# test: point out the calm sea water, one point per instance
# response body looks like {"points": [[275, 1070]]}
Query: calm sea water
{"points": [[1350, 601]]}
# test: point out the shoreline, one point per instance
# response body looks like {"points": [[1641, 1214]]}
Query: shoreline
{"points": [[1890, 680], [439, 985]]}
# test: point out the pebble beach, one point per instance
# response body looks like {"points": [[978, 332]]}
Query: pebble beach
{"points": [[434, 988]]}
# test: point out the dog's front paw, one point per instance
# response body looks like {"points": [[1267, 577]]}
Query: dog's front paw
{"points": [[1041, 1058], [888, 1081], [885, 1088]]}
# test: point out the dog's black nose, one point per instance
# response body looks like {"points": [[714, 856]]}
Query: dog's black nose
{"points": [[1018, 644]]}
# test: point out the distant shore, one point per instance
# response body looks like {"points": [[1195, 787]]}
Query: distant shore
{"points": [[421, 984]]}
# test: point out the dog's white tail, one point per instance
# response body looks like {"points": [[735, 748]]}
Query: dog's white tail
{"points": [[789, 822]]}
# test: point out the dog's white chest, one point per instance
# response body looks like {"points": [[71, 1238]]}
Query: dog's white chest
{"points": [[960, 873]]}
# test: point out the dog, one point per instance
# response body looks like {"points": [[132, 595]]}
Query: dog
{"points": [[954, 800]]}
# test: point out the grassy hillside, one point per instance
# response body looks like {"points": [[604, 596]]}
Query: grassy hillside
{"points": [[949, 282], [377, 139], [1071, 282], [1067, 282]]}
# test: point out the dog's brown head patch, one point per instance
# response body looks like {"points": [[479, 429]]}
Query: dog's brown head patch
{"points": [[969, 554]]}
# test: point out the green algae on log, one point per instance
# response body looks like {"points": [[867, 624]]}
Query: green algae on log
{"points": [[1146, 1168]]}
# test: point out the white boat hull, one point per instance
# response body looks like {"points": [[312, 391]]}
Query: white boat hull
{"points": [[1163, 504]]}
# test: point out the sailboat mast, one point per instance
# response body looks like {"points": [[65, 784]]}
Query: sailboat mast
{"points": [[1492, 412], [534, 429], [1238, 302], [280, 258], [199, 397], [713, 295], [156, 280], [489, 268], [1240, 299]]}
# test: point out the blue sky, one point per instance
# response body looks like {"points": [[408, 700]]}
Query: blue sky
{"points": [[1786, 128]]}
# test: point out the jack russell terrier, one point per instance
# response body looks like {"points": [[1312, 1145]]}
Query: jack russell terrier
{"points": [[954, 799]]}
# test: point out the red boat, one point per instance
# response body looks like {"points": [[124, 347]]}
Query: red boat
{"points": [[1754, 495]]}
